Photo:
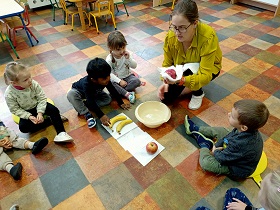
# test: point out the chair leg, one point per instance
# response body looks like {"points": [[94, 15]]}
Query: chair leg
{"points": [[14, 37], [114, 22], [173, 3], [12, 46], [32, 35], [117, 8], [53, 13], [72, 22], [125, 9], [1, 37], [96, 24]]}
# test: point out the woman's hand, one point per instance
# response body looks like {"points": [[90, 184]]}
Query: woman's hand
{"points": [[125, 106], [40, 118], [238, 205], [167, 81], [161, 90], [105, 120], [123, 83]]}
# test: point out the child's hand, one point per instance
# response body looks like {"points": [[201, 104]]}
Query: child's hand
{"points": [[123, 83], [33, 119], [40, 118], [238, 205], [105, 120], [125, 106], [126, 54], [219, 148], [6, 143]]}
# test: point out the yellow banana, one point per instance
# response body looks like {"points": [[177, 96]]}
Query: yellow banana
{"points": [[122, 124], [116, 119]]}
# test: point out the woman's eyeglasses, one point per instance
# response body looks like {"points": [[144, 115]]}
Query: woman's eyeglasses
{"points": [[180, 29]]}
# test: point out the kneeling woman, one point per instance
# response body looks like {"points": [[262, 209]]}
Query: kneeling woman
{"points": [[190, 41]]}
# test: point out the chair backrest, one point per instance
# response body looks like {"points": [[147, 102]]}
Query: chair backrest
{"points": [[118, 2], [4, 27], [54, 3], [63, 5], [103, 7]]}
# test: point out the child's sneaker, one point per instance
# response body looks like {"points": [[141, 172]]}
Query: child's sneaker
{"points": [[91, 122], [63, 137], [39, 145], [132, 98], [14, 207], [203, 141], [16, 171], [190, 126]]}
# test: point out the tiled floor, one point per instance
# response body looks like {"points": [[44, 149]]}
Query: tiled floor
{"points": [[95, 172]]}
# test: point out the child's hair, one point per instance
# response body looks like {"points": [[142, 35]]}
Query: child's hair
{"points": [[273, 192], [116, 40], [98, 68], [187, 8], [12, 70], [252, 113]]}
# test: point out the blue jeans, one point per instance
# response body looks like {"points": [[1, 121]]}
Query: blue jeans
{"points": [[230, 194], [202, 208], [235, 193]]}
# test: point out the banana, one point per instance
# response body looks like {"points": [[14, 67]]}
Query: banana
{"points": [[116, 119], [122, 124]]}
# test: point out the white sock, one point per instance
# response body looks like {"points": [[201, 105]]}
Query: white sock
{"points": [[9, 167], [30, 145]]}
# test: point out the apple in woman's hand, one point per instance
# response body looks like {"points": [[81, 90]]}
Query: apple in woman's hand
{"points": [[171, 73], [152, 147]]}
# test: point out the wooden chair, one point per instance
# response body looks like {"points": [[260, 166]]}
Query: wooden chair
{"points": [[4, 27], [102, 8], [71, 11], [56, 6], [173, 3], [117, 2], [16, 24]]}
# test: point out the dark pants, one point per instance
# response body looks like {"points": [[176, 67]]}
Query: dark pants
{"points": [[26, 126], [230, 194], [235, 193], [174, 91]]}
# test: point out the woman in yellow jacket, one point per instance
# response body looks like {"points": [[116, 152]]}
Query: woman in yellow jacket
{"points": [[190, 41]]}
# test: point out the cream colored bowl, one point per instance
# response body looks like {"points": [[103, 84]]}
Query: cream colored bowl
{"points": [[152, 113]]}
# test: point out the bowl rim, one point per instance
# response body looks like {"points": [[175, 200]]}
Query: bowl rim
{"points": [[155, 123]]}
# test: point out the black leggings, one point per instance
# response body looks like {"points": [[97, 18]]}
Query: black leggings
{"points": [[52, 111], [174, 91]]}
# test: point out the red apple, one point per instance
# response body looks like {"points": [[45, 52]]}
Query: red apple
{"points": [[171, 73], [151, 147]]}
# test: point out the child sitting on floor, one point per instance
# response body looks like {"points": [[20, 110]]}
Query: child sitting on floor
{"points": [[121, 61], [8, 140], [238, 152], [87, 94], [269, 196], [27, 100]]}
